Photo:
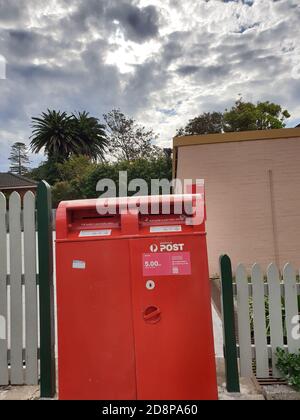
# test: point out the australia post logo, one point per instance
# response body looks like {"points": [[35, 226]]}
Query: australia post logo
{"points": [[166, 247]]}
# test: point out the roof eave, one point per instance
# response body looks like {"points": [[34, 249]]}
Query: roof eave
{"points": [[236, 137]]}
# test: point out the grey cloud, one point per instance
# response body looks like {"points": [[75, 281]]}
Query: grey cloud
{"points": [[187, 70], [174, 46], [61, 63], [25, 44], [12, 11], [139, 24], [148, 78], [87, 13], [218, 74], [246, 2]]}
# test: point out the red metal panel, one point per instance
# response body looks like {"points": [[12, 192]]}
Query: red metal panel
{"points": [[174, 347], [134, 308], [95, 335]]}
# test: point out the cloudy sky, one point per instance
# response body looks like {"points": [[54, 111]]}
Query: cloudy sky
{"points": [[160, 61]]}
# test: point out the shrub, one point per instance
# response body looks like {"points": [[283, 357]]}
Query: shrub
{"points": [[289, 365], [160, 168]]}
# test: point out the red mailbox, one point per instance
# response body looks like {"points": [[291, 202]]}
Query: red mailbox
{"points": [[134, 306]]}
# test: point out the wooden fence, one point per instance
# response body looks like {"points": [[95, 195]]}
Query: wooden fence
{"points": [[18, 279], [263, 315], [25, 332]]}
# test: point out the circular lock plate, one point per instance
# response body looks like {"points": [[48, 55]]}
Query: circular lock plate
{"points": [[150, 285]]}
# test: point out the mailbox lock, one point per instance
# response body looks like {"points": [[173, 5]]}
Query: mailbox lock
{"points": [[150, 285]]}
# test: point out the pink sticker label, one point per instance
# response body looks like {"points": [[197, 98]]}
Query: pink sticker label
{"points": [[167, 264]]}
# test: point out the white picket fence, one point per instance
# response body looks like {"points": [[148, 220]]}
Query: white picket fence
{"points": [[260, 302], [18, 292]]}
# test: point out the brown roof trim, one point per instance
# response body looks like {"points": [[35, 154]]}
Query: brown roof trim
{"points": [[25, 187], [236, 137], [10, 180], [24, 178]]}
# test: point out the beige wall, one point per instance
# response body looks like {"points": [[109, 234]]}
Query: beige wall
{"points": [[241, 220]]}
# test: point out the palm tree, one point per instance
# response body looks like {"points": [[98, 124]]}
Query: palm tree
{"points": [[90, 135], [53, 131], [62, 135]]}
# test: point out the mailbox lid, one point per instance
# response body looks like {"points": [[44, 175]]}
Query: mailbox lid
{"points": [[134, 216]]}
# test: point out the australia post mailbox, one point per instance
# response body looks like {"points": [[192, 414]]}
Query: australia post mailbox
{"points": [[133, 301]]}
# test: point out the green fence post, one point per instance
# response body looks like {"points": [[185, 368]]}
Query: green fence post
{"points": [[230, 351], [46, 291]]}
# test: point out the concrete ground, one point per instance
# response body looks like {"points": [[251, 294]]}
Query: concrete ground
{"points": [[280, 392], [19, 393], [248, 388]]}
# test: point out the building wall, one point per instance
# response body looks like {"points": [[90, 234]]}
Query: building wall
{"points": [[253, 200]]}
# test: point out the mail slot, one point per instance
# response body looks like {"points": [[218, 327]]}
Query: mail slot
{"points": [[133, 301]]}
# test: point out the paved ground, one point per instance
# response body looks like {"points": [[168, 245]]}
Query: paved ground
{"points": [[247, 386], [19, 393]]}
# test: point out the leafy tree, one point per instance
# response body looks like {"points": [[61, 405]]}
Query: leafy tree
{"points": [[77, 177], [206, 123], [47, 171], [74, 172], [70, 170], [71, 177], [128, 140], [19, 159], [63, 135], [74, 168], [64, 191], [244, 116], [146, 169]]}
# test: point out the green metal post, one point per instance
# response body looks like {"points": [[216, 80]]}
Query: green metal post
{"points": [[46, 291], [230, 351]]}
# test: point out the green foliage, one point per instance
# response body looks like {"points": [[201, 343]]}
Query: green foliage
{"points": [[243, 116], [46, 171], [77, 178], [62, 135], [75, 168], [267, 314], [289, 365], [53, 131], [160, 168], [206, 123], [64, 191], [70, 179], [73, 145], [90, 136]]}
